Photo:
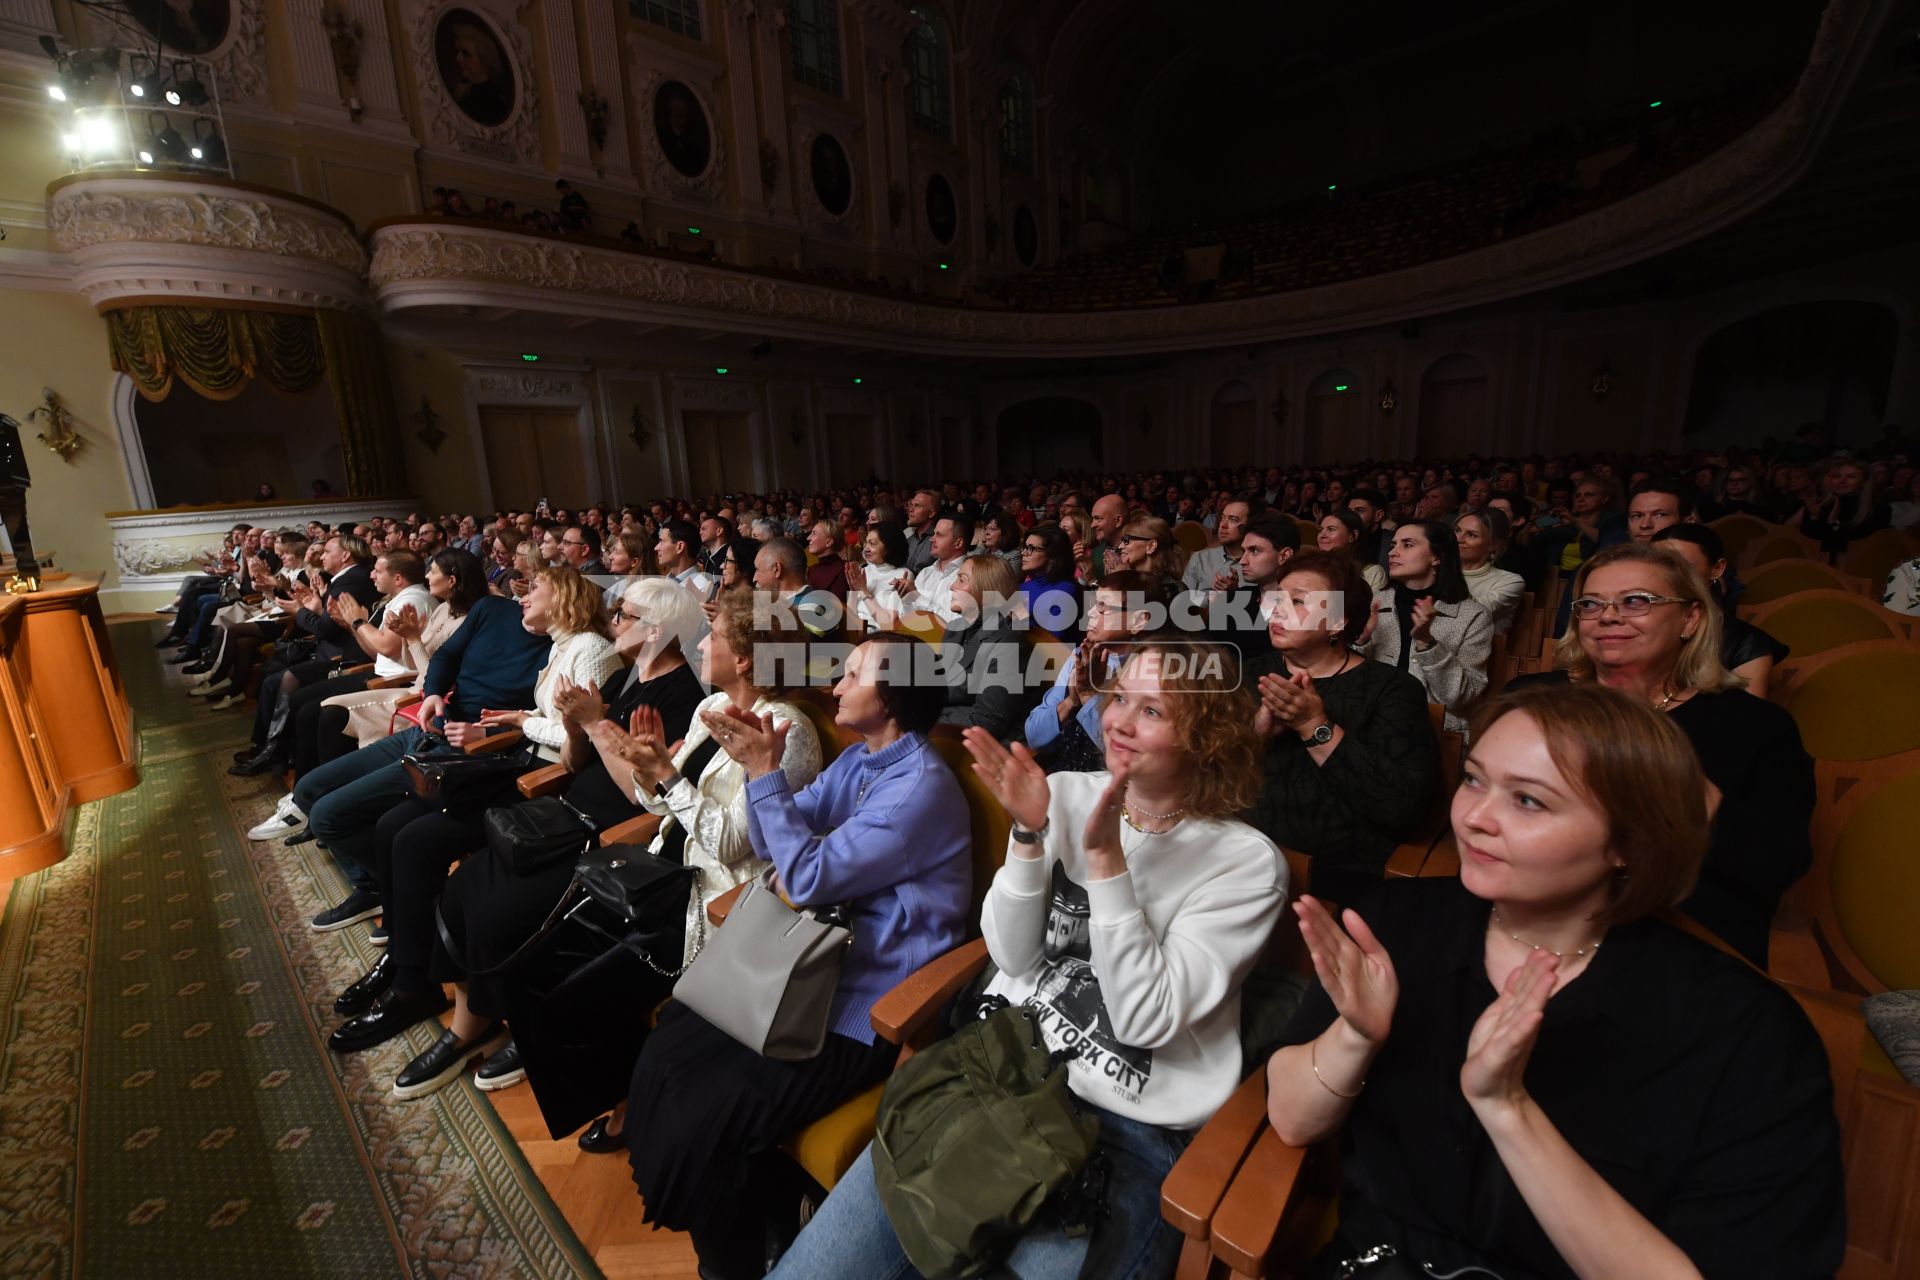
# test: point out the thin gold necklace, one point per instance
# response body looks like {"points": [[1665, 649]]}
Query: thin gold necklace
{"points": [[1558, 955]]}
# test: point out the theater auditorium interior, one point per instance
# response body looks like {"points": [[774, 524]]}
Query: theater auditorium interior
{"points": [[1057, 639]]}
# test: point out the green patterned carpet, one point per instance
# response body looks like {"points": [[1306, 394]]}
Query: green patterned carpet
{"points": [[167, 1105]]}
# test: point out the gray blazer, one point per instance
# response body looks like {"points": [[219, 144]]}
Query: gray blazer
{"points": [[1454, 668]]}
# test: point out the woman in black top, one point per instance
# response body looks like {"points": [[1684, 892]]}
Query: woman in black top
{"points": [[1530, 1071], [986, 686], [1844, 513], [1651, 629], [1745, 649], [1344, 797]]}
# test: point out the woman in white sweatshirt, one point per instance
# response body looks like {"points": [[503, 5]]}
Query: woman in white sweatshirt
{"points": [[1132, 905]]}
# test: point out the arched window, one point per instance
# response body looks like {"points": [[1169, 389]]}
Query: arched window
{"points": [[682, 17], [813, 27], [1016, 122], [929, 77]]}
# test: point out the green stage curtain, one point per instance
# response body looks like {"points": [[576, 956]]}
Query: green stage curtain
{"points": [[214, 350], [357, 372]]}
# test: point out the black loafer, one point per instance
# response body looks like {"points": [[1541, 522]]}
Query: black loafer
{"points": [[596, 1139], [199, 668], [391, 1017], [442, 1064], [184, 656], [267, 761], [501, 1071], [370, 986]]}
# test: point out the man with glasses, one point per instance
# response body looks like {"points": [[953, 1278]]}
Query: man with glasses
{"points": [[580, 547]]}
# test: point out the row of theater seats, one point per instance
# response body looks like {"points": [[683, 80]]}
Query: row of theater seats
{"points": [[1249, 1205]]}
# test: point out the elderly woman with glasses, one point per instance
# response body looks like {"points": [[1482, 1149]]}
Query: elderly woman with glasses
{"points": [[1646, 623]]}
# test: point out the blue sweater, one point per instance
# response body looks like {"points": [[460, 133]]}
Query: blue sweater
{"points": [[887, 833], [489, 661]]}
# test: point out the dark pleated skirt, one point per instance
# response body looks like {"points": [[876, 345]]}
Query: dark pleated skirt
{"points": [[490, 911], [703, 1106]]}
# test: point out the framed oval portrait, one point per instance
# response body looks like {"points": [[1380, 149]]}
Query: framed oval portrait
{"points": [[680, 123], [1026, 236], [832, 175], [943, 216], [473, 64], [192, 27]]}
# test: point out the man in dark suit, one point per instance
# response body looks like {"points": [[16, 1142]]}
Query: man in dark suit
{"points": [[349, 561]]}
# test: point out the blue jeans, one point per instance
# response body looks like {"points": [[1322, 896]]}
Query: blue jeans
{"points": [[850, 1235], [197, 633], [343, 798]]}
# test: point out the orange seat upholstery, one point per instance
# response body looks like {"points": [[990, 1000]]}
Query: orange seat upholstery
{"points": [[1192, 536], [1874, 556], [1784, 545], [1862, 704], [1738, 532], [1783, 578], [1809, 622]]}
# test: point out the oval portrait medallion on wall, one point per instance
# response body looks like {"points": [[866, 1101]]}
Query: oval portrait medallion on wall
{"points": [[184, 26], [681, 125], [943, 216], [474, 65], [832, 175]]}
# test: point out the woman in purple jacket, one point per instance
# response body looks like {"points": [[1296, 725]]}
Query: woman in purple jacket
{"points": [[883, 831]]}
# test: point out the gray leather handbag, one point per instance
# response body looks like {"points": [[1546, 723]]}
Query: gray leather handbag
{"points": [[768, 976]]}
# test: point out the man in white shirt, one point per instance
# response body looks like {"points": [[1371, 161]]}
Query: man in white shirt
{"points": [[675, 555], [1217, 568], [932, 590]]}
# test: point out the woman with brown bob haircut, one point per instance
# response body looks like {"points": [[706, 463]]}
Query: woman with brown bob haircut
{"points": [[1532, 1072], [1645, 623]]}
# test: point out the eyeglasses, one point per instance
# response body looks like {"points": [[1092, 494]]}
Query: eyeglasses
{"points": [[1038, 550], [573, 542], [1133, 537], [621, 615], [1634, 604]]}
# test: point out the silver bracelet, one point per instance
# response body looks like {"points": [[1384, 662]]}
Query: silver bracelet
{"points": [[1023, 836]]}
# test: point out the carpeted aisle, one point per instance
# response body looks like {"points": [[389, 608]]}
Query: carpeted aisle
{"points": [[167, 1105]]}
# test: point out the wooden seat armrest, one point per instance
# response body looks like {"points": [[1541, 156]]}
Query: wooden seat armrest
{"points": [[357, 669], [1199, 1179], [904, 1014], [717, 909], [395, 682], [494, 742], [1247, 1222], [408, 701], [638, 830], [550, 781], [1406, 860], [1793, 953]]}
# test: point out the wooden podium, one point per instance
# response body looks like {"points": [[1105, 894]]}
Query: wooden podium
{"points": [[67, 738]]}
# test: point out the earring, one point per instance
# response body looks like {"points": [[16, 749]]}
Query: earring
{"points": [[1686, 635]]}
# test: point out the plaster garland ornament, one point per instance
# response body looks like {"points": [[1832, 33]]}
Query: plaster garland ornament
{"points": [[517, 138], [148, 556], [526, 386], [152, 211], [241, 63]]}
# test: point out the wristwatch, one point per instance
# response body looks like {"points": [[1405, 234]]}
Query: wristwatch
{"points": [[1321, 736], [1023, 836]]}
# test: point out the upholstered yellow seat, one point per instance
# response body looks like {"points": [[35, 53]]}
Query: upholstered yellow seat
{"points": [[829, 1146], [1778, 546], [1192, 536], [1874, 556], [1874, 882], [1738, 532], [1814, 621], [1861, 707], [1783, 578]]}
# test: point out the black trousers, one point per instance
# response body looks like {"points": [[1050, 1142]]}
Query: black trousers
{"points": [[413, 845], [274, 689], [331, 739], [189, 611], [303, 718]]}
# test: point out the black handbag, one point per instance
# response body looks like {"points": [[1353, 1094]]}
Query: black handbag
{"points": [[640, 901], [533, 836], [460, 781]]}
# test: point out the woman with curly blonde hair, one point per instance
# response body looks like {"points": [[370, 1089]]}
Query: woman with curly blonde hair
{"points": [[1130, 909]]}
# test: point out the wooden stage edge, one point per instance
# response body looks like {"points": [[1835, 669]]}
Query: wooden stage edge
{"points": [[68, 733]]}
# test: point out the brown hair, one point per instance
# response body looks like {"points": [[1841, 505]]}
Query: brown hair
{"points": [[1343, 578], [1639, 769], [404, 563], [1168, 558], [993, 576], [576, 602], [637, 546], [748, 630], [1213, 716], [1699, 665]]}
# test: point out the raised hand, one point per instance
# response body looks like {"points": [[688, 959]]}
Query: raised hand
{"points": [[1502, 1040], [1423, 620], [645, 746], [405, 622], [1226, 580], [1101, 839], [758, 744], [1354, 969], [856, 578], [579, 705], [1015, 777]]}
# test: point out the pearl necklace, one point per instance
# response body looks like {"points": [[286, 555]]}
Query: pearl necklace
{"points": [[1128, 809], [1558, 955]]}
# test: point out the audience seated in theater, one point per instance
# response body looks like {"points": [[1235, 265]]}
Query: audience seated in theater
{"points": [[1371, 546], [999, 535], [985, 663], [1582, 528], [1840, 508], [1658, 503], [1513, 1097], [873, 595], [1482, 535], [1351, 762], [1132, 905], [1216, 568], [1341, 533], [884, 832], [1428, 623], [1147, 545], [930, 590], [628, 556], [1745, 649], [680, 556], [490, 661], [241, 629], [826, 571], [1064, 730], [1078, 526], [1646, 624], [1048, 594], [923, 508], [415, 841], [1523, 555], [780, 570], [1107, 521]]}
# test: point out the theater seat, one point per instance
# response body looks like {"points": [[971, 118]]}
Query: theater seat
{"points": [[1738, 532], [1857, 701], [1813, 621], [1783, 578], [1784, 545], [1192, 536], [1874, 556], [828, 1147], [1865, 879]]}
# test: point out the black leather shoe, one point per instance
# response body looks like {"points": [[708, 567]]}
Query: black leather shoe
{"points": [[301, 836], [166, 642], [245, 754], [397, 1011], [370, 986], [501, 1071], [442, 1064], [185, 655], [268, 761], [596, 1139], [199, 668]]}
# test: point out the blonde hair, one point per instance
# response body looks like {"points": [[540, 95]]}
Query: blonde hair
{"points": [[1699, 665], [576, 602], [1212, 712], [993, 576], [1169, 557], [671, 607]]}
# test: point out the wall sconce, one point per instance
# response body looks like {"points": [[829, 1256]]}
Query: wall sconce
{"points": [[428, 421], [1389, 399], [344, 35], [594, 106], [1602, 381], [638, 431], [59, 435]]}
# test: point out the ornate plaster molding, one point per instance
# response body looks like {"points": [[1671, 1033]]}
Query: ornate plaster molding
{"points": [[152, 549], [815, 216], [525, 386], [241, 62], [130, 236], [515, 139], [707, 185]]}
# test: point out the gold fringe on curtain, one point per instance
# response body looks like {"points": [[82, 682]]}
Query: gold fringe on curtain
{"points": [[214, 350], [357, 373]]}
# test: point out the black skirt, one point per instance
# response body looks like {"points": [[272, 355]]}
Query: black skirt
{"points": [[703, 1106]]}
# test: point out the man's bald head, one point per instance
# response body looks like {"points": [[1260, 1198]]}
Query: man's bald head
{"points": [[1109, 514]]}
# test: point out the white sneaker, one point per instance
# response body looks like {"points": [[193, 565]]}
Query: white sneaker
{"points": [[210, 690], [286, 820], [231, 700]]}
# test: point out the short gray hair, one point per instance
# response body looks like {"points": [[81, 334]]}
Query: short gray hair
{"points": [[671, 606], [792, 560]]}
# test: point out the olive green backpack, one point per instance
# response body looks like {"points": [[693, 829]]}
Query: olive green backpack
{"points": [[973, 1136]]}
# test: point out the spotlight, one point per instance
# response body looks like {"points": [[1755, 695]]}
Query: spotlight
{"points": [[187, 90], [208, 148], [97, 135], [84, 76], [146, 84], [163, 141]]}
